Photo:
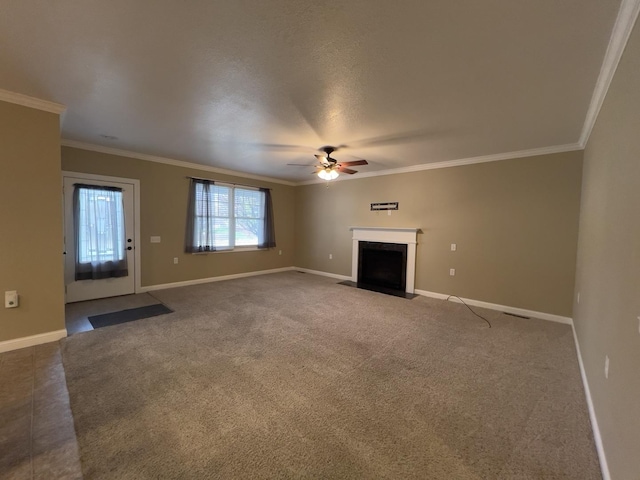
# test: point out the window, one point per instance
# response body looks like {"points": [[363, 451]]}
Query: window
{"points": [[225, 217], [99, 232], [249, 214]]}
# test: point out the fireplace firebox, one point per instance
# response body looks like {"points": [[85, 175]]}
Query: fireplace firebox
{"points": [[382, 264], [392, 237]]}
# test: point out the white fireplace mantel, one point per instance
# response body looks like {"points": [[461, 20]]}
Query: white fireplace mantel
{"points": [[407, 236]]}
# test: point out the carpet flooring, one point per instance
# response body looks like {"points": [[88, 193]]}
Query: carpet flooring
{"points": [[291, 375]]}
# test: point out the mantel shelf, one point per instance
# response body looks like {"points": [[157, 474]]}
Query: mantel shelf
{"points": [[391, 229]]}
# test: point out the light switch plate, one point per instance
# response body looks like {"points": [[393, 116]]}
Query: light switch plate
{"points": [[155, 239]]}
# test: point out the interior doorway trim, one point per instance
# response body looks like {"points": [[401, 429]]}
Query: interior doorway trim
{"points": [[136, 214]]}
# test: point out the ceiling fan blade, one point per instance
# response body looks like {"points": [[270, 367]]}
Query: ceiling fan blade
{"points": [[346, 170], [354, 163]]}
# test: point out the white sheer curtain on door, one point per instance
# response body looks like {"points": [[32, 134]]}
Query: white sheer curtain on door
{"points": [[99, 232]]}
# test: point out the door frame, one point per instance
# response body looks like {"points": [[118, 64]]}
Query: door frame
{"points": [[136, 217]]}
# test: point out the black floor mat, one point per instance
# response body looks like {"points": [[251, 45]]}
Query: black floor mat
{"points": [[376, 288], [124, 316]]}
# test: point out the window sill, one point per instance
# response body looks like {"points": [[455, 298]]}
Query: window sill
{"points": [[232, 250]]}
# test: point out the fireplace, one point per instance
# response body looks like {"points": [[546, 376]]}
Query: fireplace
{"points": [[382, 265], [383, 247]]}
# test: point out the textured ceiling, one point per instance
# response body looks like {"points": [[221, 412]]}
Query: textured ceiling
{"points": [[251, 85]]}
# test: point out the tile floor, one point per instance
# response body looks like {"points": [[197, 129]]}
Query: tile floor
{"points": [[37, 439], [76, 313], [37, 436]]}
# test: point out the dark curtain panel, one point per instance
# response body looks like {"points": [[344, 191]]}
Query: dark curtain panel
{"points": [[99, 229], [191, 208], [200, 221], [269, 238]]}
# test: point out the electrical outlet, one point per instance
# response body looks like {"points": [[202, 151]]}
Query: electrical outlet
{"points": [[578, 297], [331, 256], [175, 260], [454, 247], [11, 299], [606, 366], [279, 252], [638, 324], [389, 212], [452, 272]]}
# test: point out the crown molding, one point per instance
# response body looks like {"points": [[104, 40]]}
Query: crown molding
{"points": [[168, 161], [627, 16], [415, 168], [31, 102], [457, 163]]}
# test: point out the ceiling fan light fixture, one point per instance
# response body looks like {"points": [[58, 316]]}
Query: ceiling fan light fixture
{"points": [[328, 174]]}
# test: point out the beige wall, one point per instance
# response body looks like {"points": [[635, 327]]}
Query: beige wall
{"points": [[31, 226], [163, 208], [608, 275], [515, 223]]}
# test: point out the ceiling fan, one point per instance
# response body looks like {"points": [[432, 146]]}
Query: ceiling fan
{"points": [[329, 168]]}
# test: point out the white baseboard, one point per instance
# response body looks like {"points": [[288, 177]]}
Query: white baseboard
{"points": [[198, 281], [324, 274], [502, 308], [604, 466], [32, 340]]}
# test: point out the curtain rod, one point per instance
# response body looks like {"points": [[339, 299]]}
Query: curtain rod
{"points": [[226, 183]]}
